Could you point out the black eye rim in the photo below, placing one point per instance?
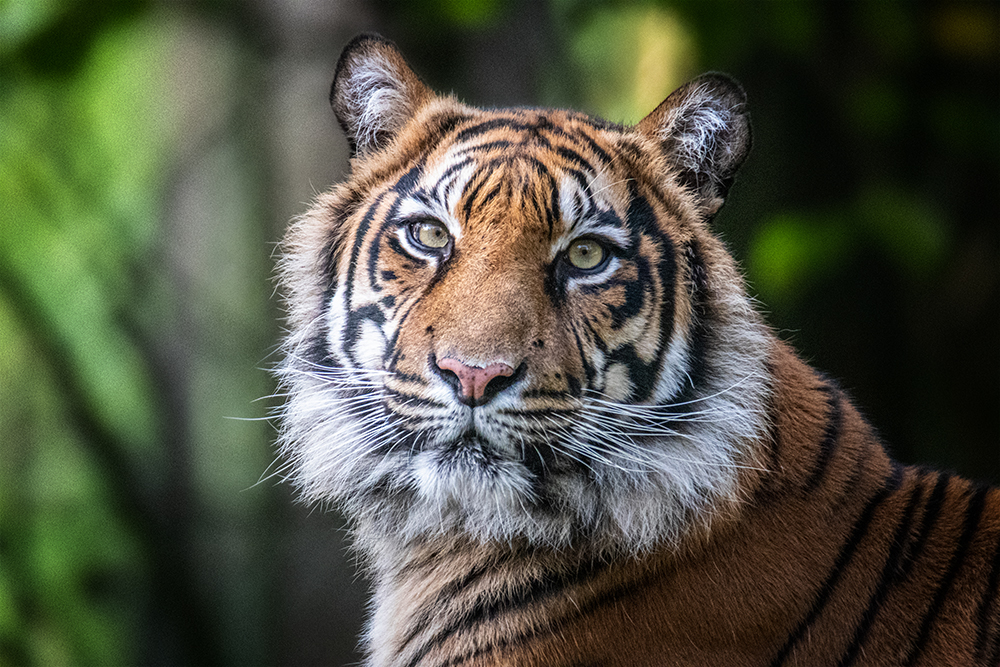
(608, 250)
(411, 235)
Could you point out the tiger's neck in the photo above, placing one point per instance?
(453, 597)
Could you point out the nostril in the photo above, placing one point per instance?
(451, 377)
(475, 385)
(498, 383)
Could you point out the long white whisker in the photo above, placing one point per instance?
(633, 407)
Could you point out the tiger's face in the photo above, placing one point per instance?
(505, 325)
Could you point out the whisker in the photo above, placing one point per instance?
(594, 395)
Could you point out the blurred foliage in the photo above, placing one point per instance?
(138, 171)
(624, 79)
(77, 210)
(86, 525)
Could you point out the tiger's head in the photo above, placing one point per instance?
(514, 324)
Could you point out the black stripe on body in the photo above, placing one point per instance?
(831, 435)
(989, 623)
(931, 514)
(844, 558)
(973, 512)
(847, 489)
(446, 594)
(891, 484)
(774, 444)
(890, 575)
(553, 626)
(492, 605)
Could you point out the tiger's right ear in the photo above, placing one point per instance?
(374, 93)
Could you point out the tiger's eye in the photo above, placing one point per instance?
(430, 234)
(585, 254)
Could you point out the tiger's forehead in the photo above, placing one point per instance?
(552, 176)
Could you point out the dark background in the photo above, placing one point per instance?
(151, 153)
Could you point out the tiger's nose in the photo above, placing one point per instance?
(477, 385)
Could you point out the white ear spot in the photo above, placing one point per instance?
(376, 101)
(374, 93)
(697, 132)
(704, 129)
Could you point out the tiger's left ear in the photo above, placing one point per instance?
(374, 93)
(704, 129)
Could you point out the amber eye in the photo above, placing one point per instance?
(429, 234)
(585, 254)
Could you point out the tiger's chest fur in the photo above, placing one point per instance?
(523, 365)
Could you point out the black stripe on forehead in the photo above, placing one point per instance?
(539, 129)
(490, 146)
(503, 166)
(529, 134)
(506, 123)
(440, 191)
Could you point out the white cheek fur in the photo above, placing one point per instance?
(370, 347)
(336, 322)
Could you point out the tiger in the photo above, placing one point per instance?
(521, 363)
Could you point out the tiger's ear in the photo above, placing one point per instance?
(704, 128)
(374, 93)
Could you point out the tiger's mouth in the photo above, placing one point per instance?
(470, 440)
(471, 445)
(478, 453)
(468, 449)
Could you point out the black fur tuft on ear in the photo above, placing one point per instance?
(704, 128)
(374, 93)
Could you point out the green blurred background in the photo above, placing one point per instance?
(151, 153)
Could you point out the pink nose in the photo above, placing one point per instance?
(472, 379)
